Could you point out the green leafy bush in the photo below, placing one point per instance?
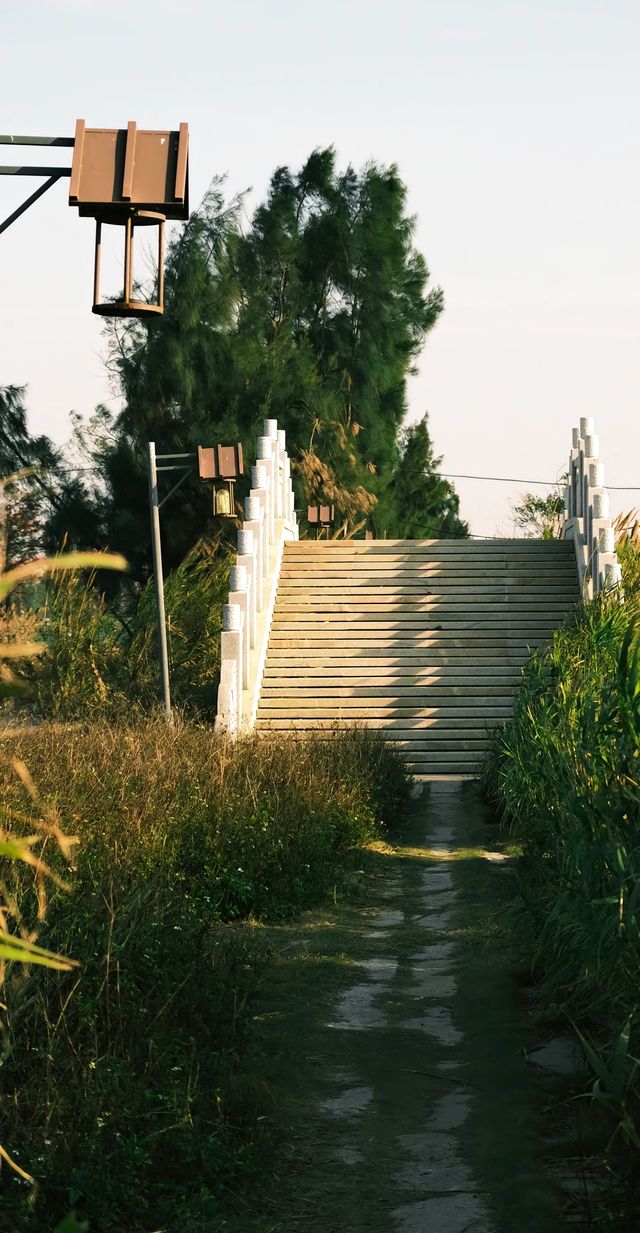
(84, 664)
(121, 1077)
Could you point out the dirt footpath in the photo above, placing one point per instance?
(400, 1083)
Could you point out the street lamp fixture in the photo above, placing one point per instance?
(129, 178)
(321, 517)
(223, 464)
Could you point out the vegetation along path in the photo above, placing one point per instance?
(396, 1045)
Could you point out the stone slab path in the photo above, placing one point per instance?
(399, 1041)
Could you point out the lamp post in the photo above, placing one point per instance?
(156, 547)
(224, 465)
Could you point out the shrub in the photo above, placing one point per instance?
(83, 667)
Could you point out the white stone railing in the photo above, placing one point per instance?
(269, 521)
(587, 519)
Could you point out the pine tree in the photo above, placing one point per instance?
(426, 505)
(313, 315)
(45, 501)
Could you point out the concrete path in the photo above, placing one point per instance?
(409, 1102)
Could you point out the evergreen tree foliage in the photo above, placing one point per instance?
(312, 313)
(426, 505)
(40, 500)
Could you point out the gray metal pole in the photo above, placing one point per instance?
(159, 580)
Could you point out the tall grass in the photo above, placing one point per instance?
(120, 1078)
(101, 659)
(566, 775)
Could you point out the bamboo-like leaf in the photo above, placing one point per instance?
(18, 849)
(18, 950)
(52, 565)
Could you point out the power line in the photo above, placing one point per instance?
(495, 479)
(499, 479)
(510, 479)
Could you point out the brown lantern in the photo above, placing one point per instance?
(321, 515)
(224, 465)
(130, 178)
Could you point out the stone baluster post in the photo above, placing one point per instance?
(612, 575)
(266, 463)
(586, 430)
(272, 432)
(254, 523)
(594, 482)
(259, 489)
(574, 474)
(239, 596)
(247, 558)
(590, 463)
(280, 454)
(231, 664)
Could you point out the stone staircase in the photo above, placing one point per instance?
(422, 640)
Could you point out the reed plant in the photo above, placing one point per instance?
(100, 658)
(565, 774)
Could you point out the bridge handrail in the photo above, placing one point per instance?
(269, 521)
(587, 519)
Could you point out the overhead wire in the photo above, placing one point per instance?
(496, 479)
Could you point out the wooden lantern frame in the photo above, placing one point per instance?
(130, 178)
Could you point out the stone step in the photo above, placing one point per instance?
(421, 641)
(338, 550)
(384, 717)
(355, 629)
(308, 677)
(408, 570)
(306, 694)
(390, 645)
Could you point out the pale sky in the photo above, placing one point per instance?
(513, 123)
